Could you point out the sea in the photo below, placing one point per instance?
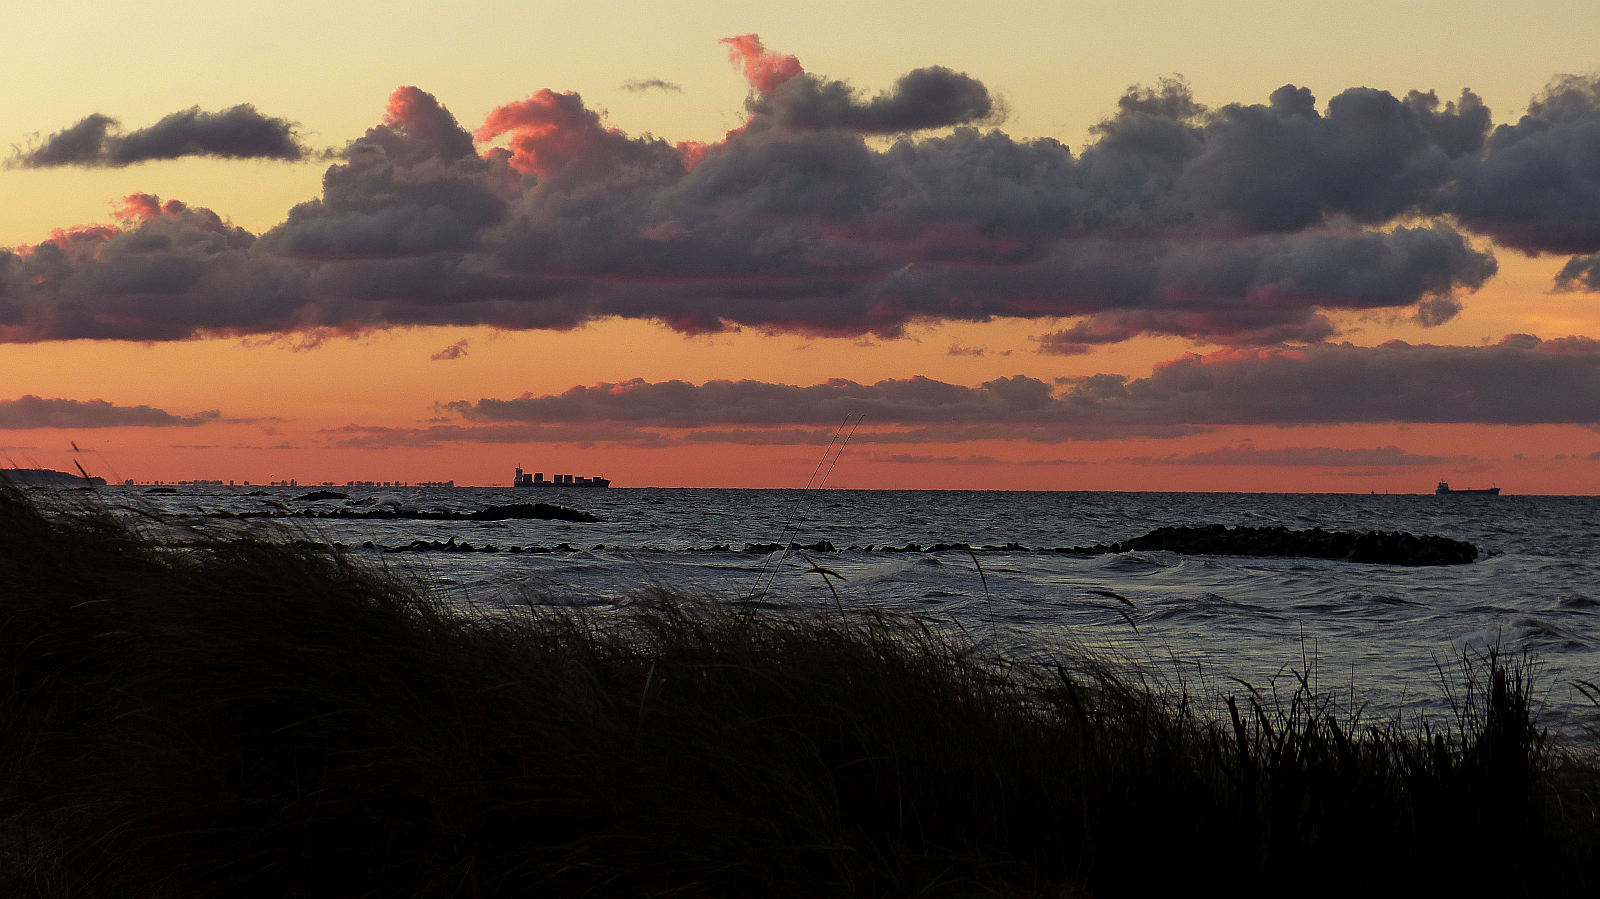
(1382, 640)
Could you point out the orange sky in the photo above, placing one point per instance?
(210, 382)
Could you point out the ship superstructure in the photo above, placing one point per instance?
(1445, 488)
(536, 479)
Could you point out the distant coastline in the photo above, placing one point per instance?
(46, 477)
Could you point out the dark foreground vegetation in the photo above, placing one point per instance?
(234, 716)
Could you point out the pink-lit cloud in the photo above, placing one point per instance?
(550, 131)
(765, 69)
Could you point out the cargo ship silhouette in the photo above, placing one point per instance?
(1444, 488)
(536, 479)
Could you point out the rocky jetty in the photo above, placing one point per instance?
(1373, 547)
(454, 546)
(821, 546)
(1367, 547)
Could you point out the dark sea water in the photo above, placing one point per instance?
(1385, 630)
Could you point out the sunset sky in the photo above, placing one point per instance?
(1136, 245)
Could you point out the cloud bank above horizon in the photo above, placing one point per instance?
(30, 412)
(1521, 380)
(826, 214)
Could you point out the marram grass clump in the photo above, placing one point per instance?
(229, 715)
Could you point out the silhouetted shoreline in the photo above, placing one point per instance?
(46, 477)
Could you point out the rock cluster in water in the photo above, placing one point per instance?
(1372, 547)
(1376, 547)
(454, 546)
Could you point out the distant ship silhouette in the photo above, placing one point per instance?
(536, 479)
(1444, 488)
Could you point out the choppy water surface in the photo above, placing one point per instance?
(1385, 629)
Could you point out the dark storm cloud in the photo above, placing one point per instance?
(1536, 186)
(239, 132)
(1305, 456)
(453, 351)
(1521, 380)
(80, 144)
(761, 436)
(176, 271)
(682, 404)
(382, 438)
(1247, 225)
(636, 85)
(1034, 432)
(31, 411)
(1580, 273)
(1370, 156)
(957, 349)
(1265, 290)
(411, 188)
(932, 97)
(917, 459)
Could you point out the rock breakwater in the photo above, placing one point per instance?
(1366, 547)
(1372, 547)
